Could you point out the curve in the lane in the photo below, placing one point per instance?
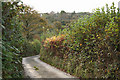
(44, 70)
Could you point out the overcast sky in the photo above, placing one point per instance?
(44, 6)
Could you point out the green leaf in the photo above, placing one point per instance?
(2, 26)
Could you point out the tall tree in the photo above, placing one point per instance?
(32, 22)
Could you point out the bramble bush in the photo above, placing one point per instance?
(93, 43)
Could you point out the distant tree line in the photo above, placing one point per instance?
(63, 18)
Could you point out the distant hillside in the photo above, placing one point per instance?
(63, 17)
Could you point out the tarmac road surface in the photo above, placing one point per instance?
(35, 68)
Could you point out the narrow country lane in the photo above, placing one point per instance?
(35, 68)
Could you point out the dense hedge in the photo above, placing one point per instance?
(92, 46)
(11, 41)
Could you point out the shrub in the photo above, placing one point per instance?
(95, 41)
(36, 46)
(11, 41)
(92, 43)
(54, 45)
(31, 48)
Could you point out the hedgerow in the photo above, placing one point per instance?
(92, 46)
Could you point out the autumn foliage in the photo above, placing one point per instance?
(55, 44)
(90, 47)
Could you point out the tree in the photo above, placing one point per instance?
(32, 22)
(62, 12)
